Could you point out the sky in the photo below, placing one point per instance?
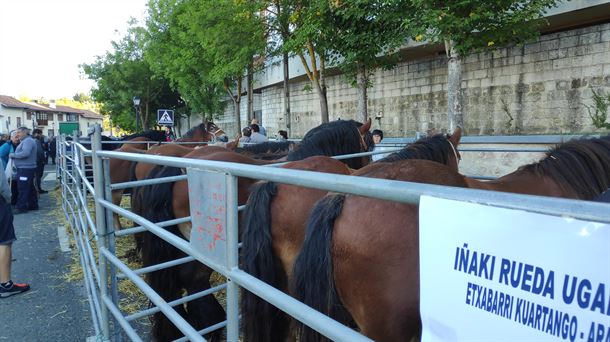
(42, 42)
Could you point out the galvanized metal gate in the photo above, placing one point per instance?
(95, 235)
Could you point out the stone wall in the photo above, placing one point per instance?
(539, 88)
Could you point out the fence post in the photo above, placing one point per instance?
(111, 242)
(232, 259)
(100, 222)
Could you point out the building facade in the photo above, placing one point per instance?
(48, 118)
(543, 87)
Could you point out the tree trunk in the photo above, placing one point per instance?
(144, 118)
(286, 93)
(454, 89)
(250, 95)
(321, 92)
(237, 102)
(317, 78)
(362, 81)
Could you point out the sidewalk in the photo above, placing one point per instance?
(53, 310)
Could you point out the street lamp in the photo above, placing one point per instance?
(136, 104)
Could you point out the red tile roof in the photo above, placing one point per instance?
(11, 102)
(91, 115)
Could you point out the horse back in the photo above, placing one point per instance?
(376, 252)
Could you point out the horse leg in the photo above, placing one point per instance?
(117, 196)
(205, 311)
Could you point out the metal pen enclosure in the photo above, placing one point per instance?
(104, 269)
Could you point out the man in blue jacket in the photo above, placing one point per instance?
(24, 159)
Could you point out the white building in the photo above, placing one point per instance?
(14, 114)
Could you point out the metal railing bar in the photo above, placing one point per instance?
(89, 281)
(206, 330)
(159, 266)
(131, 184)
(404, 192)
(87, 214)
(176, 302)
(325, 325)
(169, 312)
(304, 313)
(140, 229)
(129, 330)
(501, 150)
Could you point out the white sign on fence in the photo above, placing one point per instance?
(208, 203)
(491, 273)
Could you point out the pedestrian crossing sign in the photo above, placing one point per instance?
(165, 117)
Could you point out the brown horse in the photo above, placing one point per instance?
(166, 201)
(121, 170)
(375, 276)
(274, 228)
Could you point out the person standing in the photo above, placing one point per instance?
(169, 135)
(7, 237)
(246, 132)
(40, 160)
(5, 151)
(377, 137)
(262, 129)
(282, 135)
(8, 148)
(53, 149)
(256, 136)
(24, 159)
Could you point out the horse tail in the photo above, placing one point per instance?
(262, 321)
(156, 206)
(313, 280)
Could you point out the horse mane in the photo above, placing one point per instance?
(265, 147)
(581, 166)
(331, 139)
(435, 148)
(191, 132)
(152, 135)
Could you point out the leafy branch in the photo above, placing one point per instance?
(599, 110)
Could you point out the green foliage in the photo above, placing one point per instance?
(477, 25)
(199, 45)
(123, 73)
(600, 109)
(365, 33)
(173, 53)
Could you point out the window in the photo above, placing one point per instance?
(42, 119)
(19, 122)
(60, 117)
(71, 117)
(29, 116)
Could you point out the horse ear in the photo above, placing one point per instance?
(456, 136)
(365, 127)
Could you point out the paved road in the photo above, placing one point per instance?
(53, 310)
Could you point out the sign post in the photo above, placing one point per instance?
(165, 117)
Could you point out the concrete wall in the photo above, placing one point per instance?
(540, 88)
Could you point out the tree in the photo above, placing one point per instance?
(172, 52)
(279, 32)
(471, 26)
(363, 36)
(309, 42)
(206, 44)
(122, 74)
